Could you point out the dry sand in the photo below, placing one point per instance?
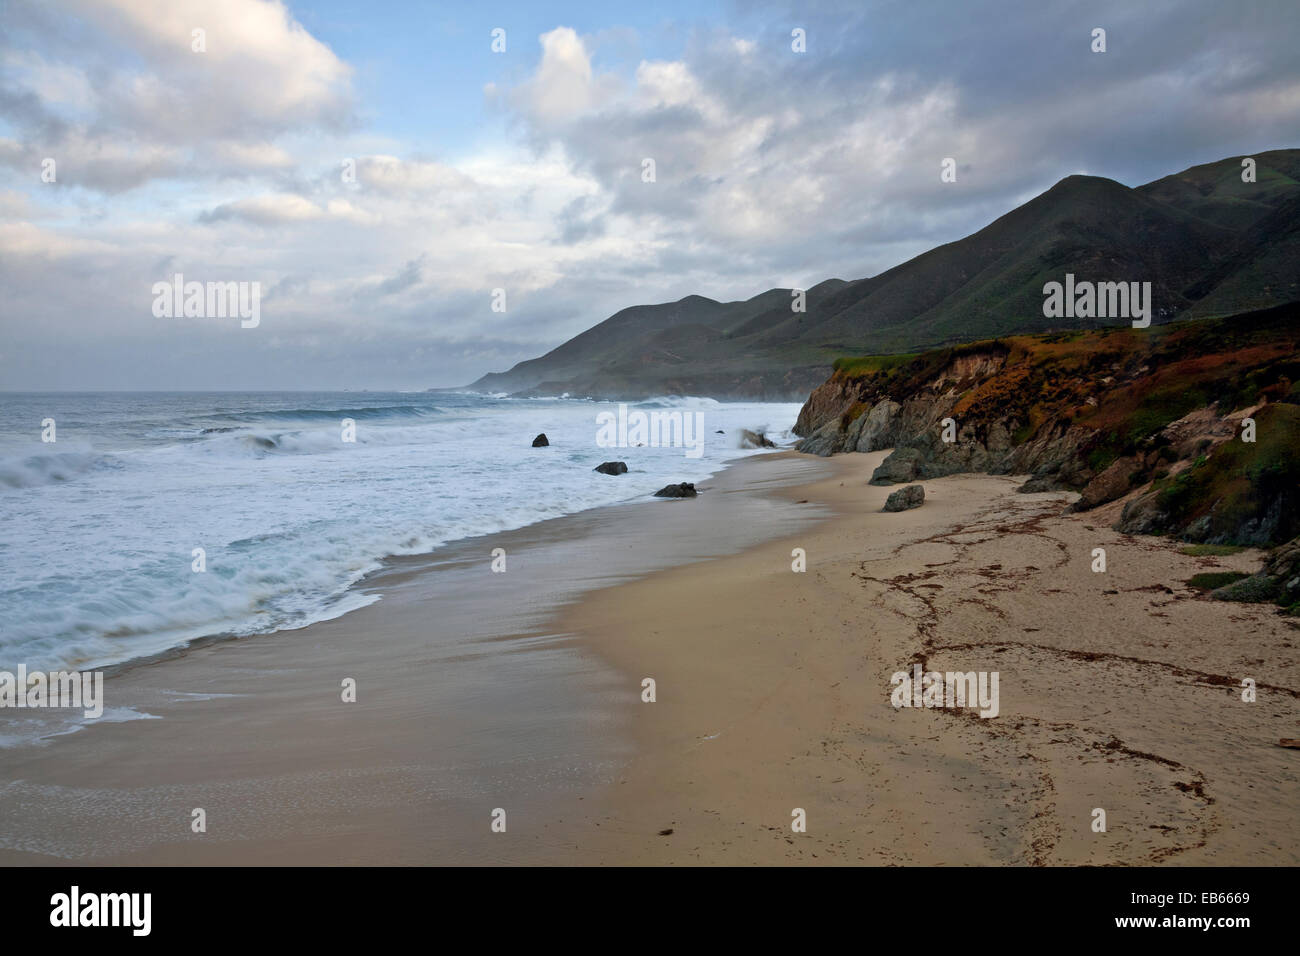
(1119, 690)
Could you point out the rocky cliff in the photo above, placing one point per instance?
(1197, 424)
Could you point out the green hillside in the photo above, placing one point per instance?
(1209, 244)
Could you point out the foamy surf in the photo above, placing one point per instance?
(98, 555)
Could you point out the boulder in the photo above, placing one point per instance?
(749, 439)
(900, 467)
(825, 442)
(540, 441)
(1142, 515)
(1040, 483)
(1121, 477)
(685, 490)
(1283, 566)
(910, 496)
(612, 468)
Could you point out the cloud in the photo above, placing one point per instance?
(391, 175)
(120, 97)
(409, 276)
(753, 167)
(563, 85)
(284, 209)
(14, 206)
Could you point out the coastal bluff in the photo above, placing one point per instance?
(1194, 425)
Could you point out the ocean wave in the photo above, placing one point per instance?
(262, 442)
(287, 582)
(51, 468)
(365, 413)
(677, 401)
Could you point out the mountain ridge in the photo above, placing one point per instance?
(1210, 244)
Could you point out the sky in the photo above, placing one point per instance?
(381, 171)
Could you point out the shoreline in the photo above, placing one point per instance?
(289, 518)
(463, 690)
(371, 581)
(522, 691)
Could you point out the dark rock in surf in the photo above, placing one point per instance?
(685, 490)
(540, 441)
(611, 468)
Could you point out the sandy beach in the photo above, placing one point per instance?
(1119, 690)
(523, 692)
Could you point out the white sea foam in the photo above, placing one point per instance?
(95, 551)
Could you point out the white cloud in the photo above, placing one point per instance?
(252, 157)
(563, 85)
(115, 122)
(259, 66)
(389, 174)
(285, 209)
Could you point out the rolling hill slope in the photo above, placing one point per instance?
(1210, 245)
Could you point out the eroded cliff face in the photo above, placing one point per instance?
(828, 400)
(1197, 426)
(862, 413)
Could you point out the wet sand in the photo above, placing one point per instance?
(523, 691)
(467, 700)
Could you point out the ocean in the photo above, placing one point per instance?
(98, 551)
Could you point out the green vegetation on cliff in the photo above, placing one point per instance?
(1239, 482)
(1108, 412)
